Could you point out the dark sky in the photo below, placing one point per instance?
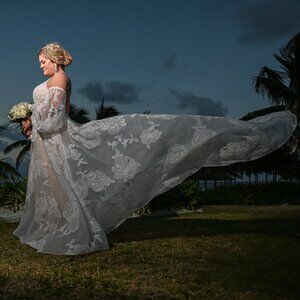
(167, 56)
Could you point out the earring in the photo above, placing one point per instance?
(56, 68)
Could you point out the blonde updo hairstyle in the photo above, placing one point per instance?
(57, 54)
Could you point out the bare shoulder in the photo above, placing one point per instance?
(59, 80)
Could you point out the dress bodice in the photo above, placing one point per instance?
(41, 98)
(39, 91)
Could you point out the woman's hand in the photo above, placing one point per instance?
(26, 127)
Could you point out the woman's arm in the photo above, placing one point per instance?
(55, 121)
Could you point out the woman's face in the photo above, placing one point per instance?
(46, 65)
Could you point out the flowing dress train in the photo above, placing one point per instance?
(85, 180)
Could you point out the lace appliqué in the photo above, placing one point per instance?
(81, 188)
(122, 141)
(176, 153)
(97, 180)
(112, 125)
(71, 215)
(232, 150)
(150, 135)
(56, 155)
(202, 133)
(47, 212)
(72, 153)
(124, 167)
(39, 168)
(86, 135)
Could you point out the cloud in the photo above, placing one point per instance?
(268, 20)
(114, 91)
(201, 105)
(93, 91)
(121, 92)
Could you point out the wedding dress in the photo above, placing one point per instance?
(85, 180)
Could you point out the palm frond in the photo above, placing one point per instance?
(1, 129)
(7, 169)
(292, 47)
(103, 111)
(283, 88)
(270, 83)
(15, 145)
(22, 155)
(286, 64)
(78, 114)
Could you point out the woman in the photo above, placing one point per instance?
(85, 180)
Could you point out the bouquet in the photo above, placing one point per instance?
(20, 113)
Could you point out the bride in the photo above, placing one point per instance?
(85, 180)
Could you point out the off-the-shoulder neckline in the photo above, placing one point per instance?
(56, 87)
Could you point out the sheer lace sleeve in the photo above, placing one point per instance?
(53, 119)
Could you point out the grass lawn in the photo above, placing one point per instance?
(226, 252)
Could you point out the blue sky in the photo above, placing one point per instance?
(168, 56)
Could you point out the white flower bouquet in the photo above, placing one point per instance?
(20, 112)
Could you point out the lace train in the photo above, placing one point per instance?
(85, 180)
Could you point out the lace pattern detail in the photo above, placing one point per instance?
(150, 135)
(124, 167)
(202, 133)
(176, 153)
(71, 215)
(98, 181)
(47, 213)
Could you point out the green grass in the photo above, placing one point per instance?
(226, 252)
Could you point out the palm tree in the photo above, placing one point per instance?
(222, 174)
(283, 87)
(23, 154)
(103, 112)
(78, 114)
(6, 169)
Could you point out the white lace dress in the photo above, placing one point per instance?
(85, 180)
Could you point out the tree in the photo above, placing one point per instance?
(103, 112)
(283, 87)
(78, 114)
(6, 169)
(23, 154)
